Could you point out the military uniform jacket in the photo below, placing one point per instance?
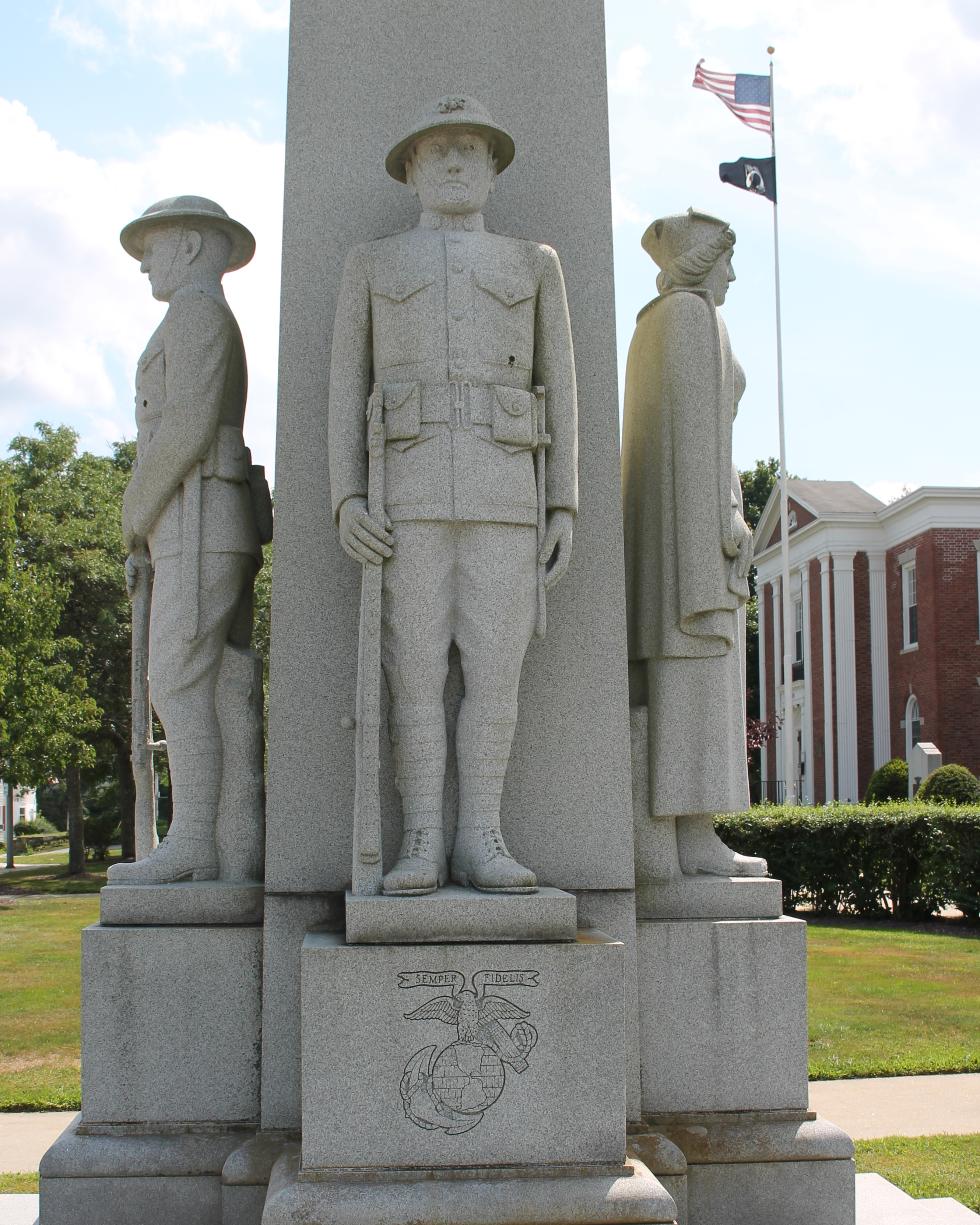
(189, 492)
(455, 326)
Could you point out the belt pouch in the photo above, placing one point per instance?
(514, 417)
(403, 411)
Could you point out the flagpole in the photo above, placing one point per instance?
(789, 619)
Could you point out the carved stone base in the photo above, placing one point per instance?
(710, 897)
(185, 904)
(456, 915)
(462, 1056)
(764, 1168)
(722, 1014)
(132, 1179)
(470, 1197)
(171, 1026)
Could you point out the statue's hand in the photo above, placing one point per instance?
(743, 537)
(361, 536)
(138, 561)
(557, 546)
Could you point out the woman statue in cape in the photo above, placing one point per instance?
(688, 553)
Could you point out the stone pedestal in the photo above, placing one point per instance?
(464, 1084)
(463, 1056)
(723, 1053)
(171, 1025)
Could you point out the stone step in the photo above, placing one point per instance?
(880, 1202)
(18, 1209)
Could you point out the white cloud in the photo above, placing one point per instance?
(79, 33)
(173, 31)
(75, 312)
(630, 74)
(875, 107)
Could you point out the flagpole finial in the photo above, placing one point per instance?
(771, 50)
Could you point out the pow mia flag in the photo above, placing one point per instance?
(757, 174)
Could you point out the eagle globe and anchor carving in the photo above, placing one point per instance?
(450, 1091)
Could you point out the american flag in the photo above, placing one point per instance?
(746, 96)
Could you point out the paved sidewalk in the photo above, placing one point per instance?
(865, 1109)
(25, 1138)
(900, 1105)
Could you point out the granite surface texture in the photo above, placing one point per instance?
(465, 1055)
(204, 1065)
(633, 1197)
(566, 804)
(133, 1179)
(722, 1014)
(458, 916)
(186, 903)
(287, 920)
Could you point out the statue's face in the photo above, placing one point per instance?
(451, 171)
(166, 258)
(719, 278)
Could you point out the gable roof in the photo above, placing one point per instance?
(820, 498)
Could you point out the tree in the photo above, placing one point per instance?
(47, 714)
(68, 514)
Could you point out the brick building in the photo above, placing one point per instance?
(887, 645)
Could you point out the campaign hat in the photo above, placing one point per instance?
(189, 211)
(452, 111)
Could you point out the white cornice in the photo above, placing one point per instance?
(929, 508)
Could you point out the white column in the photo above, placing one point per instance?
(828, 682)
(760, 592)
(808, 792)
(845, 675)
(880, 698)
(779, 696)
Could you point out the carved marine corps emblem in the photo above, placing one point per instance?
(451, 1090)
(445, 105)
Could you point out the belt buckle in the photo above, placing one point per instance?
(462, 417)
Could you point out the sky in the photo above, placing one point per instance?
(109, 105)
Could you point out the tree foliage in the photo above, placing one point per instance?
(46, 712)
(64, 533)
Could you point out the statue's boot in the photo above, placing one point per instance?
(189, 851)
(480, 855)
(420, 766)
(701, 850)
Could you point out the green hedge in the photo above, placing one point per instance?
(903, 859)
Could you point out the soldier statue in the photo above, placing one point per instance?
(195, 509)
(461, 334)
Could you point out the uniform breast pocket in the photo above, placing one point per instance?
(401, 317)
(151, 386)
(505, 318)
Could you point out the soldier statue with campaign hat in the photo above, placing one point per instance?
(196, 511)
(458, 342)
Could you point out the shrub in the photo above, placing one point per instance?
(39, 825)
(889, 782)
(950, 784)
(907, 860)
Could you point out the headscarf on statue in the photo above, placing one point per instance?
(684, 587)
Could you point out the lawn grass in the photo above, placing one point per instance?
(37, 874)
(885, 999)
(892, 999)
(925, 1167)
(40, 980)
(19, 1184)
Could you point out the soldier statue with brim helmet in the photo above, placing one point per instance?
(461, 339)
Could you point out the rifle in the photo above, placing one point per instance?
(542, 442)
(366, 870)
(139, 581)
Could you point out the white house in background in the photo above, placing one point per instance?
(886, 603)
(25, 804)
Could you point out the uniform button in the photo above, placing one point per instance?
(457, 267)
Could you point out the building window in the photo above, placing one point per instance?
(976, 545)
(913, 725)
(798, 640)
(910, 606)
